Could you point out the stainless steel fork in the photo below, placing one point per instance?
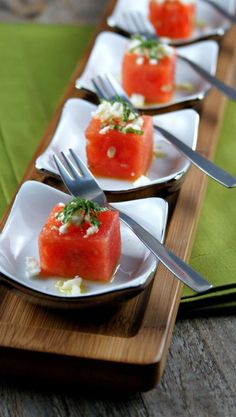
(136, 22)
(108, 88)
(80, 182)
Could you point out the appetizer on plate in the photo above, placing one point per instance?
(189, 85)
(82, 239)
(174, 19)
(167, 166)
(148, 70)
(208, 22)
(19, 242)
(119, 141)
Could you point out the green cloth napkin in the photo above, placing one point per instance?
(36, 64)
(214, 251)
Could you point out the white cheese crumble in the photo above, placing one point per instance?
(113, 115)
(63, 229)
(134, 126)
(137, 100)
(91, 231)
(104, 130)
(154, 54)
(153, 61)
(32, 268)
(140, 60)
(107, 111)
(70, 286)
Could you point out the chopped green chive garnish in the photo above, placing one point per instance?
(152, 48)
(128, 119)
(80, 210)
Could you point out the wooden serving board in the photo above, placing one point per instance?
(122, 346)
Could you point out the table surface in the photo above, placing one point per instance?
(199, 377)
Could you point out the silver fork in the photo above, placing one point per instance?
(137, 23)
(80, 182)
(108, 88)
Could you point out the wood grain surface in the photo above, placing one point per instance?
(199, 376)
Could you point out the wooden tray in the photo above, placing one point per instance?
(124, 346)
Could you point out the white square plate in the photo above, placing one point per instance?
(107, 55)
(19, 239)
(209, 21)
(169, 164)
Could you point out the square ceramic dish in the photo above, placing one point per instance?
(209, 22)
(107, 55)
(19, 239)
(167, 164)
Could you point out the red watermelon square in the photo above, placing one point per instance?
(116, 147)
(148, 70)
(173, 19)
(78, 247)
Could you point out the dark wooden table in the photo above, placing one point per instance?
(199, 378)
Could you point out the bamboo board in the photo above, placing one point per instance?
(125, 346)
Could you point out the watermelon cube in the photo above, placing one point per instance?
(148, 70)
(71, 245)
(118, 148)
(173, 19)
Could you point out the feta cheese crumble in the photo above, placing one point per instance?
(137, 100)
(118, 115)
(91, 231)
(63, 229)
(150, 49)
(32, 268)
(70, 286)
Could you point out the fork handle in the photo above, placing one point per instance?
(228, 91)
(174, 264)
(212, 170)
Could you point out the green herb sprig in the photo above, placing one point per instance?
(152, 48)
(86, 210)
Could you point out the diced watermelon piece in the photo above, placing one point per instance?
(156, 82)
(92, 257)
(173, 19)
(119, 155)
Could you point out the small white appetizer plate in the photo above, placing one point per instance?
(107, 55)
(19, 239)
(167, 164)
(209, 22)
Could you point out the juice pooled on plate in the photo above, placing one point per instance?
(119, 141)
(174, 19)
(80, 239)
(148, 71)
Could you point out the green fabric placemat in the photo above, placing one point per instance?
(214, 251)
(36, 64)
